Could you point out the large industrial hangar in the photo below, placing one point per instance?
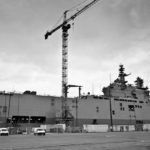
(29, 108)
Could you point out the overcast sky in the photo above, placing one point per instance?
(110, 33)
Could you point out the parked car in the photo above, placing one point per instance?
(39, 131)
(4, 131)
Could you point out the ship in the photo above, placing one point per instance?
(121, 104)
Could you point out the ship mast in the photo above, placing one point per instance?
(122, 76)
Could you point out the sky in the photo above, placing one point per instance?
(110, 33)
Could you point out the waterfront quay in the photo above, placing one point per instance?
(78, 141)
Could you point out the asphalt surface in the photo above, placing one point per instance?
(78, 141)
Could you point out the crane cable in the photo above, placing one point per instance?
(76, 6)
(57, 22)
(69, 10)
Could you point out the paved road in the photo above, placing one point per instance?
(84, 141)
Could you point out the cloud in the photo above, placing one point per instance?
(110, 33)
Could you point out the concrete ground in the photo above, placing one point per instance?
(78, 141)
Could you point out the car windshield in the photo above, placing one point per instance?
(4, 129)
(40, 129)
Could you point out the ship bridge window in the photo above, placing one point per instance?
(52, 102)
(137, 106)
(113, 112)
(132, 101)
(116, 99)
(122, 108)
(131, 107)
(97, 109)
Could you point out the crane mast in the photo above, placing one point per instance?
(65, 27)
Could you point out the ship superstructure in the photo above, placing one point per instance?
(130, 104)
(121, 104)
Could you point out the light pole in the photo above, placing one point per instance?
(110, 106)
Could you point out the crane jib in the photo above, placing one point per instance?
(48, 33)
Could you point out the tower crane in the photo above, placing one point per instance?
(65, 26)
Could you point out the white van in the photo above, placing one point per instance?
(39, 131)
(4, 131)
